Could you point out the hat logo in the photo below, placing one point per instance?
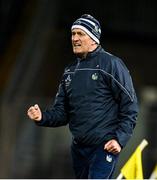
(78, 22)
(96, 28)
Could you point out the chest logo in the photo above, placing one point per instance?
(68, 80)
(94, 76)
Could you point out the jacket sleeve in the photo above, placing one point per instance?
(124, 94)
(57, 114)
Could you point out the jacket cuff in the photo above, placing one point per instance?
(41, 122)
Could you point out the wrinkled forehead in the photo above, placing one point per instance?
(76, 30)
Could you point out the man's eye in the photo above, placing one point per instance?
(81, 34)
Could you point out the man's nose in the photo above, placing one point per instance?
(75, 37)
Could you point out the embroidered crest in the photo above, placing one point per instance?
(94, 76)
(109, 158)
(68, 80)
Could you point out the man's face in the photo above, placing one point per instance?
(81, 42)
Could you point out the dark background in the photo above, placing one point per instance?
(35, 47)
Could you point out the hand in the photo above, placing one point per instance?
(34, 113)
(112, 146)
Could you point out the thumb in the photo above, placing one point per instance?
(107, 144)
(36, 106)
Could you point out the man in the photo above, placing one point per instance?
(97, 99)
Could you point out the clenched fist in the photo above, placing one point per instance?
(34, 113)
(112, 146)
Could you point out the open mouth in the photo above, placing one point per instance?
(76, 45)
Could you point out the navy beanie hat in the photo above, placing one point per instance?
(90, 25)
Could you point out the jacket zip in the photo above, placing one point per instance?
(77, 65)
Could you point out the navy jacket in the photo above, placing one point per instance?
(97, 99)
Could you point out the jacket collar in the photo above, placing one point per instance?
(93, 53)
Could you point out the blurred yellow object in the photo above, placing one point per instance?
(133, 168)
(154, 173)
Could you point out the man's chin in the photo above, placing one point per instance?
(79, 54)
